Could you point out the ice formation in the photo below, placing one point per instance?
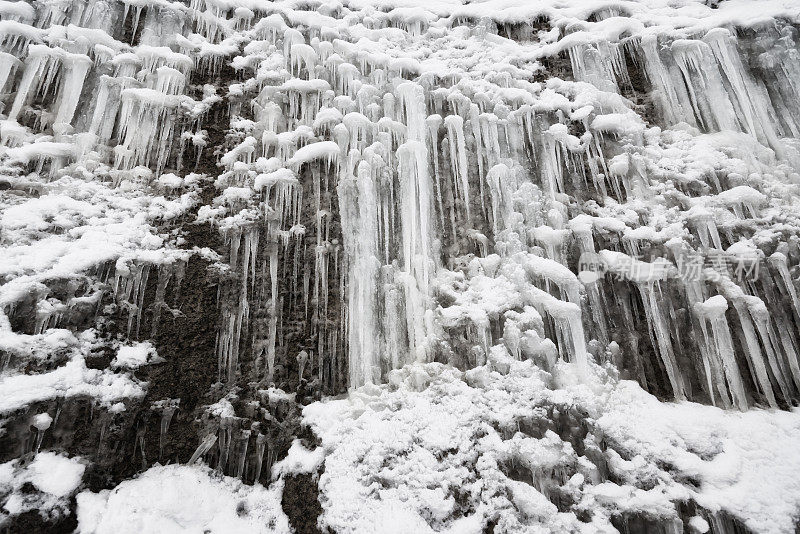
(524, 239)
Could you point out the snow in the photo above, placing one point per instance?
(388, 447)
(182, 499)
(21, 10)
(134, 356)
(699, 524)
(269, 179)
(299, 460)
(55, 474)
(42, 421)
(630, 268)
(714, 306)
(70, 380)
(222, 409)
(324, 150)
(750, 472)
(39, 150)
(97, 224)
(54, 478)
(742, 194)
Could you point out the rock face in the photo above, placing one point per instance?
(410, 266)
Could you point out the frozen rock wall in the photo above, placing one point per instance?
(216, 211)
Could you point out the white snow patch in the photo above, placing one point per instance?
(134, 356)
(182, 499)
(396, 458)
(299, 460)
(55, 477)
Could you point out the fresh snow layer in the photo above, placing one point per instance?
(177, 499)
(70, 380)
(299, 460)
(134, 356)
(747, 463)
(54, 478)
(55, 474)
(403, 460)
(76, 227)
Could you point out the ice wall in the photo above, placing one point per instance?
(361, 187)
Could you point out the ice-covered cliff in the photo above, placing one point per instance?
(399, 266)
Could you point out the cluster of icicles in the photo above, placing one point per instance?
(414, 183)
(429, 171)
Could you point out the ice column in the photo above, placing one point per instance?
(360, 233)
(416, 216)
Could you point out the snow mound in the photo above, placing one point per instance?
(182, 499)
(512, 446)
(53, 477)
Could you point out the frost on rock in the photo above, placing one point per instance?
(492, 213)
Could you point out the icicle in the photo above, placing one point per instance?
(225, 441)
(416, 238)
(434, 122)
(567, 317)
(396, 346)
(130, 292)
(552, 172)
(166, 418)
(591, 66)
(658, 325)
(41, 422)
(164, 275)
(713, 310)
(458, 159)
(358, 208)
(750, 100)
(36, 64)
(321, 296)
(244, 441)
(8, 63)
(754, 352)
(749, 309)
(490, 138)
(597, 306)
(779, 262)
(261, 444)
(511, 338)
(704, 83)
(203, 448)
(500, 180)
(101, 103)
(76, 67)
(416, 215)
(695, 294)
(274, 311)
